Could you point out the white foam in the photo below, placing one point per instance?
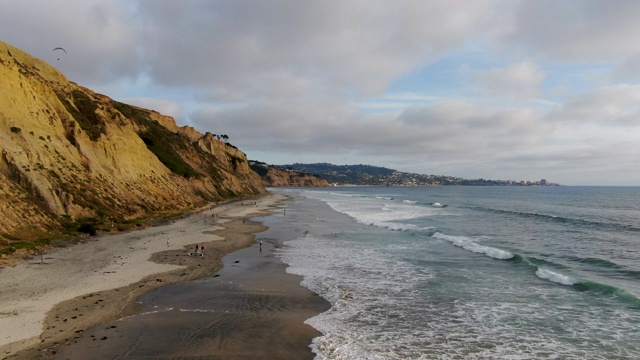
(150, 312)
(398, 226)
(468, 244)
(379, 211)
(198, 310)
(555, 277)
(383, 197)
(360, 282)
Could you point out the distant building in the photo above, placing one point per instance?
(543, 182)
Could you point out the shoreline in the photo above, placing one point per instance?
(45, 305)
(250, 309)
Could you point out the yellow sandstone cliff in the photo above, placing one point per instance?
(69, 155)
(276, 177)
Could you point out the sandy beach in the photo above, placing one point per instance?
(44, 305)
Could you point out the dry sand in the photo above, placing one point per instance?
(43, 304)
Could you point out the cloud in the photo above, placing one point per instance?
(457, 128)
(617, 105)
(352, 45)
(444, 130)
(97, 35)
(584, 164)
(628, 70)
(521, 79)
(394, 102)
(581, 30)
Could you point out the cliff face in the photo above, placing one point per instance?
(68, 155)
(274, 177)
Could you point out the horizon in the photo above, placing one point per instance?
(553, 183)
(495, 89)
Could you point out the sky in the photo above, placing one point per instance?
(503, 90)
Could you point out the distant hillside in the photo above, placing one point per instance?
(74, 160)
(278, 177)
(375, 175)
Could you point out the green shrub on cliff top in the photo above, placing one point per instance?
(163, 143)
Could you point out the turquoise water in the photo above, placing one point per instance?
(470, 272)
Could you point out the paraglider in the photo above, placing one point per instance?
(58, 49)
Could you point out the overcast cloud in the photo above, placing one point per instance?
(519, 90)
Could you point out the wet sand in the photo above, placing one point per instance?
(87, 326)
(250, 309)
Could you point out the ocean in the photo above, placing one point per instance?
(469, 272)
